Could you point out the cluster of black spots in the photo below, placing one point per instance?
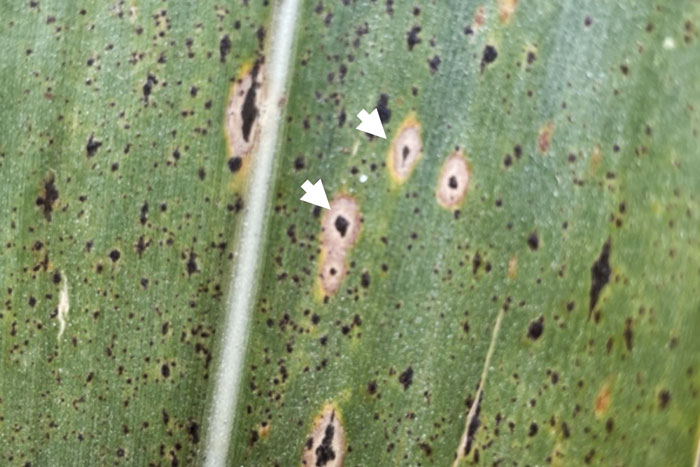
(664, 398)
(92, 145)
(412, 37)
(324, 451)
(406, 378)
(383, 108)
(600, 275)
(47, 199)
(235, 164)
(536, 328)
(533, 240)
(488, 56)
(165, 370)
(299, 163)
(147, 88)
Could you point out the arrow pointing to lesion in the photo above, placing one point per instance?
(371, 123)
(315, 194)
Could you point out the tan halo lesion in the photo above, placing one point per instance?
(242, 122)
(339, 230)
(453, 181)
(406, 150)
(326, 445)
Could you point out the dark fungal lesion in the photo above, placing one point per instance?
(406, 378)
(325, 447)
(474, 424)
(249, 111)
(48, 197)
(600, 276)
(243, 114)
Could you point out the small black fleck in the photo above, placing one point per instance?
(92, 145)
(536, 328)
(114, 255)
(365, 279)
(533, 241)
(406, 378)
(533, 429)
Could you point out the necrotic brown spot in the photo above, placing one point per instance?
(325, 447)
(242, 113)
(453, 181)
(405, 150)
(339, 229)
(506, 8)
(544, 137)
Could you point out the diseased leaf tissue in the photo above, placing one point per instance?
(507, 279)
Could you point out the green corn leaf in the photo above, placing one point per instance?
(508, 279)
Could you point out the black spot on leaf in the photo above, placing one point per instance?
(412, 37)
(341, 225)
(92, 146)
(224, 47)
(383, 108)
(249, 111)
(234, 164)
(324, 451)
(47, 199)
(600, 275)
(536, 328)
(406, 378)
(488, 56)
(533, 241)
(473, 426)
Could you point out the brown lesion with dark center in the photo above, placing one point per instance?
(339, 230)
(453, 181)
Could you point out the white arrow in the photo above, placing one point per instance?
(371, 123)
(315, 194)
